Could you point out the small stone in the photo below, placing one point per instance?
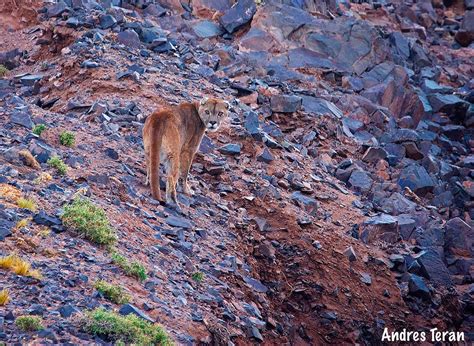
(230, 149)
(350, 254)
(366, 279)
(418, 288)
(128, 309)
(266, 156)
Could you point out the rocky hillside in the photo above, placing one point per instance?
(336, 201)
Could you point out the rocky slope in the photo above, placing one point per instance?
(335, 201)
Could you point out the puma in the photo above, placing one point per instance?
(172, 137)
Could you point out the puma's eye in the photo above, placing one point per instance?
(220, 114)
(207, 112)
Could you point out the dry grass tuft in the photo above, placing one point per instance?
(4, 297)
(26, 203)
(19, 266)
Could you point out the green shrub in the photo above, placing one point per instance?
(67, 138)
(29, 323)
(198, 276)
(118, 329)
(89, 220)
(58, 164)
(3, 70)
(38, 129)
(114, 293)
(134, 269)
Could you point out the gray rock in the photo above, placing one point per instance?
(207, 29)
(57, 9)
(255, 284)
(107, 21)
(129, 38)
(382, 227)
(230, 149)
(90, 64)
(350, 254)
(239, 14)
(396, 204)
(285, 103)
(459, 237)
(21, 117)
(434, 268)
(266, 156)
(128, 309)
(418, 288)
(154, 10)
(305, 202)
(417, 179)
(252, 125)
(30, 79)
(320, 106)
(68, 310)
(366, 279)
(452, 105)
(431, 87)
(41, 151)
(360, 181)
(177, 221)
(373, 155)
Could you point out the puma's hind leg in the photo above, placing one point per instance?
(186, 161)
(172, 172)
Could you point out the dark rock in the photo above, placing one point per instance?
(90, 64)
(366, 279)
(454, 132)
(452, 105)
(350, 254)
(360, 181)
(434, 268)
(383, 227)
(21, 117)
(431, 87)
(57, 9)
(418, 288)
(113, 154)
(252, 125)
(107, 21)
(154, 10)
(459, 237)
(30, 79)
(465, 35)
(266, 156)
(177, 221)
(128, 309)
(320, 106)
(412, 151)
(230, 149)
(239, 14)
(41, 151)
(305, 202)
(129, 38)
(396, 204)
(417, 179)
(41, 218)
(207, 29)
(285, 103)
(255, 284)
(373, 155)
(68, 310)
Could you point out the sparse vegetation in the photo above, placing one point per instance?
(134, 269)
(38, 129)
(58, 164)
(19, 266)
(114, 293)
(42, 178)
(29, 323)
(22, 223)
(67, 138)
(4, 297)
(26, 203)
(3, 70)
(128, 329)
(198, 276)
(89, 220)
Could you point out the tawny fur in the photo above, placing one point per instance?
(172, 137)
(29, 159)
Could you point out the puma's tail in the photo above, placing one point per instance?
(155, 149)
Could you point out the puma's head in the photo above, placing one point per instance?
(212, 112)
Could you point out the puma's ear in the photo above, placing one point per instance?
(203, 101)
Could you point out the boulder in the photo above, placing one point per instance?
(417, 179)
(239, 14)
(383, 227)
(285, 103)
(360, 181)
(459, 237)
(418, 288)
